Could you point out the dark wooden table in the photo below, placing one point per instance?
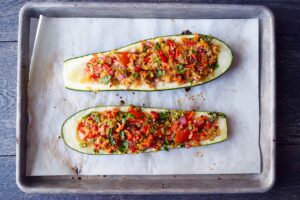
(287, 17)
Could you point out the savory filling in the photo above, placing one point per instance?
(186, 60)
(136, 131)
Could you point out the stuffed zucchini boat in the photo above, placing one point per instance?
(161, 63)
(133, 130)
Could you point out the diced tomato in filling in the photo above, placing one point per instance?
(135, 130)
(162, 56)
(137, 68)
(189, 43)
(189, 115)
(171, 44)
(166, 60)
(146, 60)
(123, 58)
(154, 115)
(181, 136)
(135, 112)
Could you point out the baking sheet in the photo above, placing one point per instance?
(235, 93)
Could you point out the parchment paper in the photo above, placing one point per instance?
(49, 104)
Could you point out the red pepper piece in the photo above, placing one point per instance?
(189, 43)
(145, 129)
(171, 43)
(177, 53)
(181, 136)
(189, 115)
(154, 115)
(146, 59)
(138, 68)
(95, 77)
(162, 56)
(129, 136)
(135, 113)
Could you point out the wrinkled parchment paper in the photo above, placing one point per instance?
(49, 104)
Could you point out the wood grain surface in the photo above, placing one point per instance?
(287, 17)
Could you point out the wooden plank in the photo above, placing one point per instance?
(286, 187)
(288, 93)
(8, 21)
(9, 10)
(8, 76)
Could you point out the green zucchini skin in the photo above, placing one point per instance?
(66, 135)
(218, 74)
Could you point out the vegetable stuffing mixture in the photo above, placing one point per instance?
(137, 131)
(181, 61)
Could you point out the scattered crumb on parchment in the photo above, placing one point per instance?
(199, 154)
(196, 97)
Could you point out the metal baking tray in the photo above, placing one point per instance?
(156, 184)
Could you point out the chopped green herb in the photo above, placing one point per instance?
(149, 119)
(90, 140)
(105, 79)
(145, 49)
(135, 75)
(183, 145)
(166, 145)
(153, 129)
(216, 66)
(162, 116)
(180, 69)
(151, 74)
(157, 46)
(122, 135)
(127, 73)
(96, 151)
(83, 145)
(167, 124)
(190, 127)
(213, 116)
(129, 115)
(158, 61)
(176, 114)
(99, 62)
(166, 148)
(110, 123)
(222, 115)
(110, 137)
(86, 116)
(207, 38)
(123, 147)
(96, 117)
(159, 73)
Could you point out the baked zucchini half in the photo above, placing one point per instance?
(162, 63)
(131, 130)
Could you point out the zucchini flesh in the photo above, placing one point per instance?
(74, 68)
(70, 133)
